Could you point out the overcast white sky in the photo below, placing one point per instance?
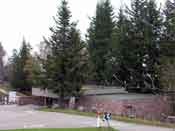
(32, 19)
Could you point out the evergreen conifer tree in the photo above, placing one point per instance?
(21, 78)
(63, 65)
(99, 41)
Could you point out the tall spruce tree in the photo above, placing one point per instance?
(63, 66)
(22, 69)
(131, 43)
(146, 33)
(152, 38)
(137, 16)
(14, 69)
(99, 41)
(124, 51)
(76, 67)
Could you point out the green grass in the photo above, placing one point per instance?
(114, 117)
(68, 111)
(66, 129)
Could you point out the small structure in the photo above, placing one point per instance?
(12, 97)
(50, 98)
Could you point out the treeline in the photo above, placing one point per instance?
(133, 49)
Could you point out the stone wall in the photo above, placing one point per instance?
(30, 100)
(37, 100)
(149, 108)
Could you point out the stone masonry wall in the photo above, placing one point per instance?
(150, 108)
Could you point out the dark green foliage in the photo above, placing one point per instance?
(37, 70)
(13, 69)
(76, 61)
(21, 69)
(63, 67)
(99, 41)
(138, 43)
(129, 50)
(170, 20)
(132, 50)
(124, 53)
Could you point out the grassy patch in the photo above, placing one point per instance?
(68, 111)
(114, 117)
(66, 129)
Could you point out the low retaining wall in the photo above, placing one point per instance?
(149, 108)
(36, 100)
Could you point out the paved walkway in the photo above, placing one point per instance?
(13, 117)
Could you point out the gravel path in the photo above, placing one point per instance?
(15, 117)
